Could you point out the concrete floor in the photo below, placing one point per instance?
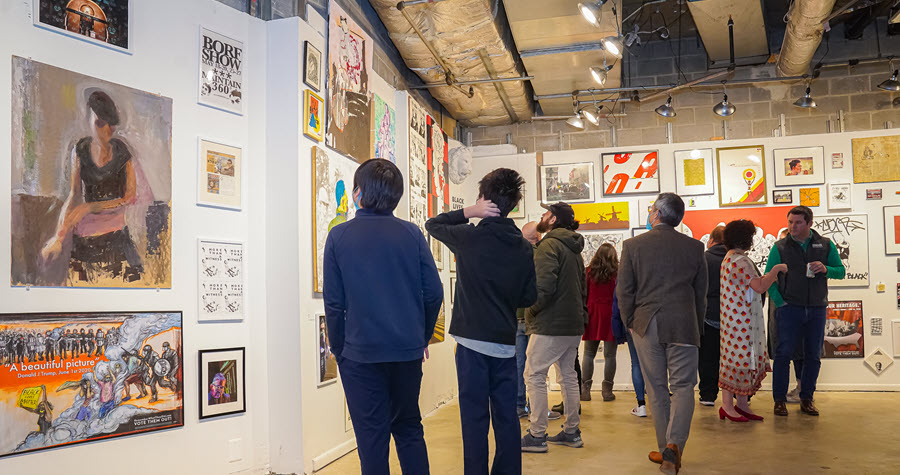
(856, 433)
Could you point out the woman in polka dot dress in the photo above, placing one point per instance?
(743, 362)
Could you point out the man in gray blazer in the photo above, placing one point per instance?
(661, 291)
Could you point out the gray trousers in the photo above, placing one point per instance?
(609, 360)
(545, 351)
(668, 367)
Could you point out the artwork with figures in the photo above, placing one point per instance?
(418, 165)
(438, 169)
(628, 173)
(327, 369)
(593, 241)
(596, 216)
(105, 22)
(742, 175)
(839, 196)
(221, 281)
(569, 182)
(844, 335)
(799, 166)
(91, 181)
(694, 172)
(769, 222)
(892, 231)
(350, 57)
(332, 204)
(384, 130)
(219, 177)
(222, 386)
(879, 360)
(850, 235)
(221, 72)
(312, 66)
(439, 328)
(313, 109)
(876, 159)
(91, 376)
(782, 197)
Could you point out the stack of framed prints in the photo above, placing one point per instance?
(742, 175)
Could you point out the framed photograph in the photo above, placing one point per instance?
(219, 175)
(892, 231)
(879, 360)
(799, 166)
(312, 66)
(313, 110)
(221, 84)
(782, 197)
(222, 387)
(742, 175)
(630, 173)
(569, 182)
(102, 22)
(326, 363)
(694, 172)
(220, 282)
(452, 291)
(809, 197)
(839, 196)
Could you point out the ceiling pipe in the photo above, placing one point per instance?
(802, 36)
(473, 81)
(410, 3)
(501, 92)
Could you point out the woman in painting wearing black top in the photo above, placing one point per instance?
(102, 185)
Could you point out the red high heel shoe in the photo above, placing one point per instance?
(749, 416)
(723, 415)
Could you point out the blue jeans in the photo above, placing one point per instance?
(521, 346)
(637, 379)
(797, 323)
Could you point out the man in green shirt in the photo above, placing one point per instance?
(801, 298)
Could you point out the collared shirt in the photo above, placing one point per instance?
(834, 267)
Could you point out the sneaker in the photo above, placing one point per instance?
(553, 415)
(560, 408)
(523, 412)
(534, 444)
(569, 440)
(639, 411)
(704, 402)
(794, 395)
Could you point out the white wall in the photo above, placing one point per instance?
(165, 61)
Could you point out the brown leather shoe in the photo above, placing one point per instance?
(780, 408)
(671, 463)
(807, 407)
(655, 457)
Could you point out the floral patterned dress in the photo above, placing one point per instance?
(743, 360)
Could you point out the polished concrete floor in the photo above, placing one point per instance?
(857, 433)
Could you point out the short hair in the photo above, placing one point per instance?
(739, 234)
(793, 163)
(670, 207)
(803, 211)
(380, 185)
(104, 107)
(718, 234)
(565, 216)
(503, 187)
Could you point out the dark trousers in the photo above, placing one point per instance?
(709, 363)
(487, 396)
(796, 323)
(521, 346)
(383, 399)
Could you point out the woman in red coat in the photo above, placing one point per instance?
(600, 277)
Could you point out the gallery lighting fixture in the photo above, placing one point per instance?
(614, 45)
(666, 110)
(592, 116)
(724, 108)
(805, 102)
(576, 121)
(600, 73)
(591, 10)
(891, 84)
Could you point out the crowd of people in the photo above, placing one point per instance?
(526, 300)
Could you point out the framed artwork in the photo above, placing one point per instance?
(439, 328)
(348, 422)
(769, 221)
(895, 335)
(223, 388)
(644, 207)
(437, 251)
(519, 210)
(876, 159)
(593, 241)
(384, 130)
(876, 324)
(742, 175)
(879, 360)
(219, 176)
(892, 231)
(332, 183)
(83, 389)
(599, 216)
(638, 231)
(438, 169)
(630, 173)
(873, 194)
(782, 197)
(418, 165)
(452, 292)
(101, 22)
(313, 108)
(694, 172)
(809, 197)
(312, 66)
(837, 160)
(326, 363)
(839, 196)
(799, 166)
(53, 125)
(844, 336)
(569, 182)
(452, 262)
(220, 285)
(221, 72)
(850, 235)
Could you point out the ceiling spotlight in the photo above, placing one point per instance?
(576, 122)
(599, 73)
(666, 110)
(806, 102)
(614, 45)
(891, 84)
(591, 10)
(592, 116)
(724, 108)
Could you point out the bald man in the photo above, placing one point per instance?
(531, 234)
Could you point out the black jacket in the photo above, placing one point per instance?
(714, 257)
(495, 275)
(795, 287)
(561, 307)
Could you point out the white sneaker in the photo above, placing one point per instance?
(639, 411)
(794, 395)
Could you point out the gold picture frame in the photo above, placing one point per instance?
(738, 168)
(313, 109)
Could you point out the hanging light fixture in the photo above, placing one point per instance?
(891, 84)
(805, 102)
(724, 108)
(591, 10)
(592, 116)
(614, 45)
(599, 73)
(666, 110)
(576, 121)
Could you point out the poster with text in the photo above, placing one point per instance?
(418, 165)
(221, 72)
(332, 205)
(219, 177)
(630, 173)
(221, 280)
(844, 330)
(103, 22)
(850, 235)
(438, 169)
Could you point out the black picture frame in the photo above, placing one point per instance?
(314, 81)
(778, 197)
(239, 406)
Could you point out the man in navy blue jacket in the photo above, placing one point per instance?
(496, 275)
(382, 297)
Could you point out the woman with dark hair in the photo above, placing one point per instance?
(600, 281)
(102, 185)
(743, 360)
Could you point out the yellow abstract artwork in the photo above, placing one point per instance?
(694, 172)
(594, 216)
(809, 196)
(876, 159)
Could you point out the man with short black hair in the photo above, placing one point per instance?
(382, 298)
(709, 340)
(495, 276)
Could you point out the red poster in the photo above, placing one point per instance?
(844, 330)
(897, 229)
(769, 221)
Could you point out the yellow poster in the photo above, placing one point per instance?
(876, 159)
(594, 216)
(30, 398)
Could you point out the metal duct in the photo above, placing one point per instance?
(802, 36)
(460, 41)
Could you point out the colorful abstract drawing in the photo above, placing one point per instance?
(809, 197)
(850, 235)
(742, 176)
(876, 159)
(438, 169)
(104, 22)
(384, 130)
(769, 222)
(91, 181)
(222, 385)
(597, 216)
(629, 173)
(313, 108)
(418, 165)
(332, 183)
(844, 330)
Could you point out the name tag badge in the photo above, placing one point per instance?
(817, 245)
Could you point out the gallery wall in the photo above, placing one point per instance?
(165, 61)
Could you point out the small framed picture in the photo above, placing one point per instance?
(879, 360)
(638, 231)
(103, 23)
(519, 210)
(809, 197)
(452, 291)
(892, 232)
(312, 67)
(437, 251)
(313, 112)
(782, 197)
(222, 385)
(839, 196)
(327, 369)
(219, 175)
(873, 194)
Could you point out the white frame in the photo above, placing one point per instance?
(638, 231)
(889, 230)
(317, 87)
(593, 194)
(818, 158)
(832, 205)
(200, 281)
(201, 171)
(895, 335)
(625, 194)
(36, 21)
(322, 384)
(244, 87)
(879, 356)
(708, 170)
